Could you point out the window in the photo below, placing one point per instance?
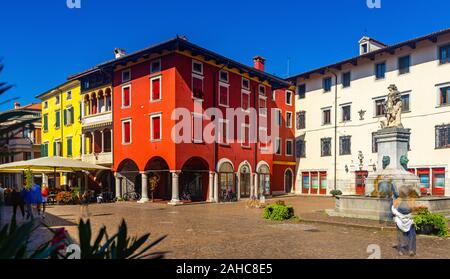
(223, 131)
(346, 113)
(301, 120)
(326, 116)
(405, 103)
(245, 84)
(155, 66)
(365, 48)
(126, 75)
(263, 138)
(301, 91)
(44, 149)
(403, 64)
(197, 67)
(380, 70)
(325, 147)
(223, 94)
(57, 119)
(245, 136)
(245, 100)
(345, 145)
(45, 119)
(46, 105)
(126, 96)
(289, 147)
(126, 131)
(379, 107)
(444, 54)
(155, 127)
(289, 98)
(444, 96)
(155, 89)
(69, 95)
(69, 147)
(68, 115)
(288, 119)
(262, 106)
(279, 116)
(197, 128)
(223, 76)
(326, 84)
(57, 99)
(57, 151)
(278, 146)
(262, 90)
(301, 148)
(443, 136)
(346, 79)
(197, 87)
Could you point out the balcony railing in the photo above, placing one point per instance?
(97, 118)
(98, 159)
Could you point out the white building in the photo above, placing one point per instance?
(339, 107)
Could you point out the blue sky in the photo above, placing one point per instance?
(42, 41)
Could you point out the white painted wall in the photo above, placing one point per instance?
(422, 83)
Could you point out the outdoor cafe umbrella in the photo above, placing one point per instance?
(50, 164)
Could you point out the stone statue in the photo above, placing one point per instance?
(393, 109)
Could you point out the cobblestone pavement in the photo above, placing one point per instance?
(234, 231)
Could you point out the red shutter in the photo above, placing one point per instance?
(127, 132)
(126, 97)
(223, 95)
(156, 128)
(156, 89)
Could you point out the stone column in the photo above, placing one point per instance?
(93, 143)
(255, 185)
(238, 186)
(103, 141)
(211, 187)
(175, 189)
(83, 108)
(83, 144)
(86, 181)
(90, 106)
(44, 179)
(144, 195)
(118, 181)
(216, 187)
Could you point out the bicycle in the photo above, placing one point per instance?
(253, 202)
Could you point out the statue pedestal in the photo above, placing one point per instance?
(392, 146)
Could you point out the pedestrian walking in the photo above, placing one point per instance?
(36, 194)
(402, 210)
(84, 203)
(17, 200)
(45, 193)
(28, 199)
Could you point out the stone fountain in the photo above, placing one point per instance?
(392, 174)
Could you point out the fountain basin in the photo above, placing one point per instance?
(380, 208)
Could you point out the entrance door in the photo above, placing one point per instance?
(438, 182)
(314, 183)
(305, 183)
(288, 181)
(361, 182)
(245, 185)
(323, 183)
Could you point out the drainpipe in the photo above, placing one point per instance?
(335, 124)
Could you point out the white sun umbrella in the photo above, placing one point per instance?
(50, 164)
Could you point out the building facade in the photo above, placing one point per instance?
(340, 106)
(156, 89)
(20, 139)
(61, 126)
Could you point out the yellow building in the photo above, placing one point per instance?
(61, 122)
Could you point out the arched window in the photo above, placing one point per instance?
(227, 187)
(264, 180)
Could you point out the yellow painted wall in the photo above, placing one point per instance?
(64, 131)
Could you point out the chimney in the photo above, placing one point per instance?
(119, 52)
(16, 105)
(258, 63)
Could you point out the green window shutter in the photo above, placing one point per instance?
(58, 119)
(45, 122)
(46, 150)
(65, 117)
(54, 149)
(69, 147)
(43, 150)
(72, 115)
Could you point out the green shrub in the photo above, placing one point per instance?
(335, 193)
(278, 212)
(430, 223)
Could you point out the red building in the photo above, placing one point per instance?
(152, 91)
